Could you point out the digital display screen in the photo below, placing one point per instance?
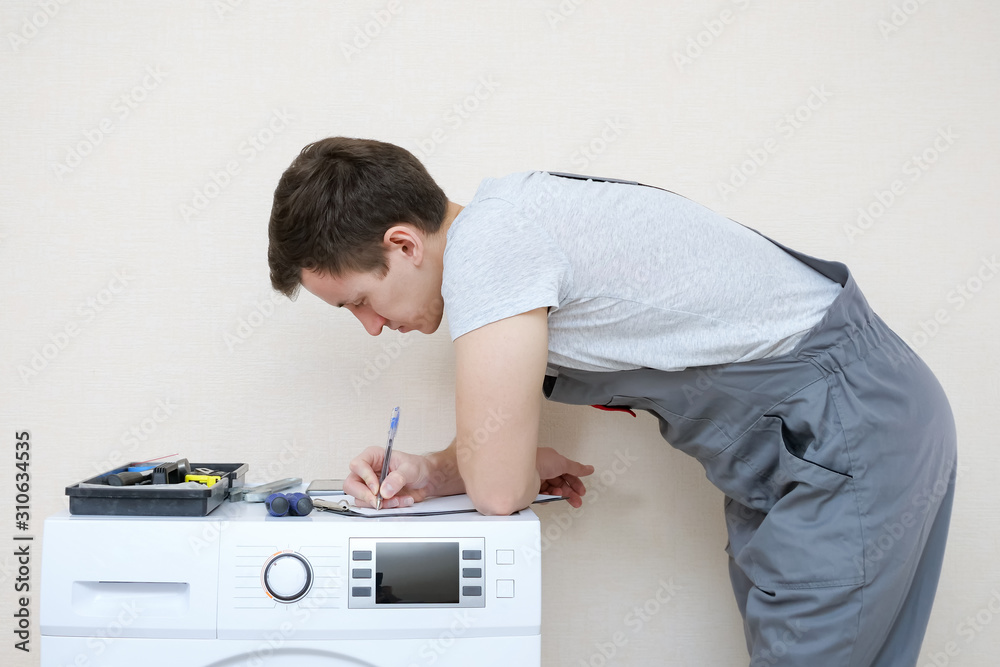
(416, 573)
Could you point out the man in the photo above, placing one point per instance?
(833, 442)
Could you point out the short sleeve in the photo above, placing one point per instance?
(498, 264)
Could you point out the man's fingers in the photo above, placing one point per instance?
(363, 469)
(571, 496)
(363, 481)
(576, 483)
(568, 483)
(397, 501)
(394, 481)
(353, 486)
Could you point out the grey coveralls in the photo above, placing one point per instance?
(838, 464)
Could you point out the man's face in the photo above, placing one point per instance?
(408, 298)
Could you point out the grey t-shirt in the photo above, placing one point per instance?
(633, 276)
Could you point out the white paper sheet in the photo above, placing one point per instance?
(431, 506)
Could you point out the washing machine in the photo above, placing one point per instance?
(241, 588)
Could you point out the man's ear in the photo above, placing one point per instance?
(406, 239)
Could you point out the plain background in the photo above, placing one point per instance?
(138, 320)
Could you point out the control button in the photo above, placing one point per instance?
(472, 591)
(362, 555)
(505, 588)
(471, 554)
(472, 572)
(505, 556)
(361, 591)
(287, 577)
(361, 573)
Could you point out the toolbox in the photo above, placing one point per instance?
(97, 496)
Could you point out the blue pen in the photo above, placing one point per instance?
(393, 423)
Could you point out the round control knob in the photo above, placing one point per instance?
(287, 576)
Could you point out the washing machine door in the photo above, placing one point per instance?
(265, 656)
(442, 651)
(445, 650)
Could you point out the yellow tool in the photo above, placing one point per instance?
(207, 480)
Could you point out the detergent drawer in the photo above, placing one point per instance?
(129, 577)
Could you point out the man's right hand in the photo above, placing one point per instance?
(413, 478)
(407, 482)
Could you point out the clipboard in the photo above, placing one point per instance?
(457, 504)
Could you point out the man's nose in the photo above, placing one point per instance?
(370, 320)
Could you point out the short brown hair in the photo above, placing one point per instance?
(335, 202)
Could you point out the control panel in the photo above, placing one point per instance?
(417, 572)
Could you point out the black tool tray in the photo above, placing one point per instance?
(161, 500)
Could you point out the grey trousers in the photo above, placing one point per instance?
(838, 465)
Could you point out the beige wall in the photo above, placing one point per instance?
(134, 292)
